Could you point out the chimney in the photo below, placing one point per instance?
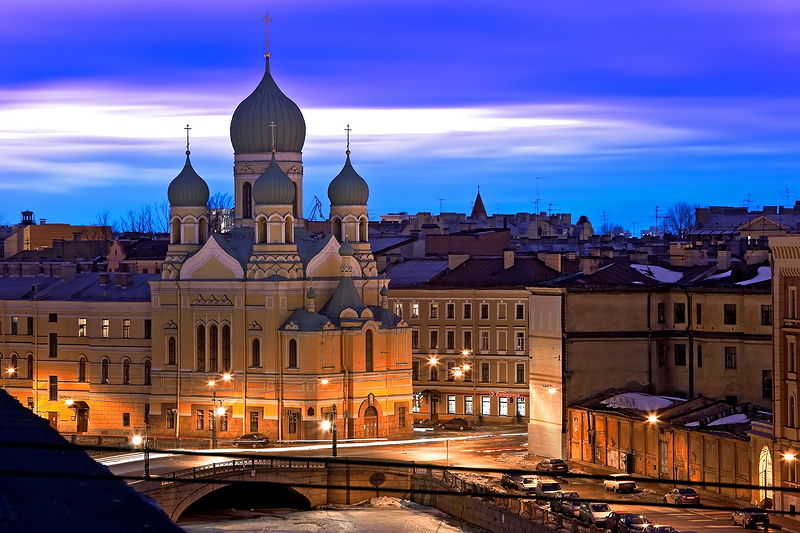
(640, 258)
(76, 236)
(551, 260)
(754, 257)
(723, 259)
(68, 271)
(123, 279)
(455, 260)
(589, 265)
(103, 278)
(508, 259)
(42, 221)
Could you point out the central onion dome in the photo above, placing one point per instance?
(273, 187)
(348, 188)
(250, 125)
(188, 189)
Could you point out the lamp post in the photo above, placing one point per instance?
(9, 372)
(467, 368)
(138, 441)
(333, 432)
(216, 410)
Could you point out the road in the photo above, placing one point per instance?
(501, 448)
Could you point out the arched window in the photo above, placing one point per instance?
(201, 348)
(172, 351)
(369, 361)
(30, 366)
(126, 372)
(175, 231)
(292, 353)
(148, 372)
(14, 364)
(203, 237)
(82, 369)
(337, 228)
(310, 411)
(247, 200)
(226, 348)
(791, 412)
(255, 355)
(104, 371)
(261, 230)
(287, 230)
(213, 347)
(362, 233)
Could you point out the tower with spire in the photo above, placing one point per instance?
(478, 209)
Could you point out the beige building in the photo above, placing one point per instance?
(28, 235)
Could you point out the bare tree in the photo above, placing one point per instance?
(161, 217)
(680, 219)
(220, 212)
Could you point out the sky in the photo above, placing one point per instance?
(616, 106)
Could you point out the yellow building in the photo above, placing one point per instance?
(265, 329)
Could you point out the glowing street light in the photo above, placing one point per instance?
(11, 371)
(324, 381)
(326, 425)
(69, 402)
(226, 376)
(457, 372)
(790, 456)
(652, 419)
(433, 360)
(220, 411)
(137, 440)
(212, 383)
(552, 390)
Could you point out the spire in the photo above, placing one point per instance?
(478, 209)
(187, 128)
(266, 20)
(272, 127)
(348, 129)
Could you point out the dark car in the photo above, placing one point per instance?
(252, 440)
(750, 517)
(682, 496)
(518, 482)
(564, 503)
(552, 465)
(659, 528)
(455, 423)
(627, 522)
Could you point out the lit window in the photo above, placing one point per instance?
(486, 405)
(81, 327)
(467, 405)
(106, 328)
(434, 310)
(520, 406)
(519, 341)
(398, 309)
(484, 340)
(451, 404)
(503, 406)
(126, 328)
(414, 310)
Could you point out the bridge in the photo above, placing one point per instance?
(305, 483)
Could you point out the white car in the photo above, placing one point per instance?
(594, 513)
(619, 483)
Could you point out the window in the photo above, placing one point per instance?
(126, 419)
(398, 309)
(81, 327)
(52, 347)
(660, 313)
(253, 421)
(170, 419)
(766, 384)
(104, 371)
(52, 388)
(105, 328)
(502, 406)
(520, 378)
(82, 369)
(201, 348)
(415, 339)
(450, 369)
(661, 349)
(293, 353)
(519, 341)
(484, 311)
(519, 312)
(484, 372)
(730, 357)
(451, 404)
(450, 311)
(172, 351)
(729, 316)
(467, 405)
(699, 313)
(467, 339)
(148, 372)
(680, 313)
(226, 348)
(415, 310)
(30, 366)
(484, 340)
(201, 419)
(223, 421)
(699, 356)
(369, 359)
(126, 372)
(29, 320)
(791, 357)
(415, 403)
(148, 328)
(414, 370)
(14, 362)
(434, 311)
(255, 353)
(792, 302)
(247, 200)
(468, 311)
(292, 423)
(486, 405)
(450, 340)
(434, 340)
(212, 419)
(766, 315)
(680, 355)
(501, 311)
(401, 416)
(126, 328)
(434, 373)
(520, 406)
(52, 317)
(790, 418)
(213, 347)
(14, 325)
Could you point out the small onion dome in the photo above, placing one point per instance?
(188, 189)
(384, 291)
(346, 249)
(250, 125)
(311, 294)
(273, 187)
(348, 188)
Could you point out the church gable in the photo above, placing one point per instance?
(327, 263)
(211, 262)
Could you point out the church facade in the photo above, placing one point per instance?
(266, 329)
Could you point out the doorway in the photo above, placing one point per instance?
(82, 419)
(370, 422)
(52, 418)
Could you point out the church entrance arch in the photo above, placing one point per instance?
(370, 422)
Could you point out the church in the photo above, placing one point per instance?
(269, 328)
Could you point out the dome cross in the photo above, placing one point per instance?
(266, 20)
(348, 129)
(187, 128)
(272, 127)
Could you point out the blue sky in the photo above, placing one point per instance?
(617, 105)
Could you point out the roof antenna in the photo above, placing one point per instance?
(348, 129)
(272, 127)
(266, 20)
(187, 128)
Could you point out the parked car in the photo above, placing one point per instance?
(660, 528)
(552, 465)
(750, 517)
(627, 522)
(455, 423)
(619, 483)
(522, 482)
(546, 488)
(594, 513)
(565, 504)
(252, 440)
(682, 496)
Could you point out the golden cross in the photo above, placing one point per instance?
(267, 20)
(348, 129)
(272, 127)
(187, 128)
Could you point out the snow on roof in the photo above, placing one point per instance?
(738, 418)
(720, 276)
(764, 274)
(639, 401)
(658, 273)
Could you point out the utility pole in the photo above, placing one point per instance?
(333, 432)
(657, 217)
(537, 199)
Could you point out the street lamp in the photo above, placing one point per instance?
(652, 419)
(216, 410)
(790, 456)
(466, 367)
(333, 430)
(140, 441)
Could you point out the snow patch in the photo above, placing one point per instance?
(660, 274)
(639, 401)
(738, 418)
(764, 274)
(384, 501)
(726, 274)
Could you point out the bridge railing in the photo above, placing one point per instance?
(238, 465)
